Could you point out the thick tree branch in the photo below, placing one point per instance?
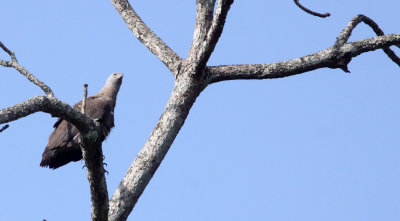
(92, 153)
(14, 64)
(147, 36)
(52, 106)
(186, 90)
(331, 57)
(345, 35)
(156, 147)
(204, 17)
(203, 49)
(310, 11)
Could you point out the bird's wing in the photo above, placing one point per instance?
(65, 133)
(63, 141)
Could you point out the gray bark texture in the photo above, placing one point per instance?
(192, 75)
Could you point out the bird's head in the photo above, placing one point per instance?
(115, 80)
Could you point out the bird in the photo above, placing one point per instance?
(63, 146)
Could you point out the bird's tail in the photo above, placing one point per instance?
(55, 158)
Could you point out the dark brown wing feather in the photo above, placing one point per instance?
(63, 146)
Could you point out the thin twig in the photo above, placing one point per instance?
(83, 107)
(8, 51)
(14, 64)
(33, 79)
(4, 127)
(311, 12)
(346, 33)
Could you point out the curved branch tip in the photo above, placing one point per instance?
(327, 14)
(14, 64)
(4, 127)
(347, 31)
(9, 52)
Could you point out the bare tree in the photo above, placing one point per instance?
(192, 76)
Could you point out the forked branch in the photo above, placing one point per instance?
(187, 89)
(201, 51)
(337, 56)
(331, 58)
(184, 94)
(204, 17)
(346, 33)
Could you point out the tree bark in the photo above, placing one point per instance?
(139, 174)
(92, 153)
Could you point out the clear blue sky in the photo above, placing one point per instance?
(324, 145)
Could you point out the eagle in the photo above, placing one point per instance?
(63, 146)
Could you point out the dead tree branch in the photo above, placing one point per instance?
(14, 64)
(204, 17)
(92, 138)
(147, 36)
(8, 51)
(91, 131)
(52, 106)
(156, 147)
(207, 32)
(187, 89)
(92, 153)
(346, 33)
(202, 52)
(310, 11)
(331, 57)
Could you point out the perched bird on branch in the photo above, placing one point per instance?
(63, 146)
